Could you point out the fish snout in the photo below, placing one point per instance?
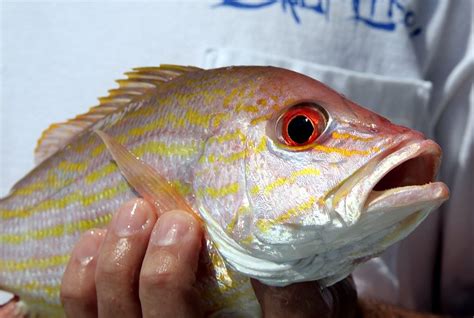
(406, 178)
(409, 167)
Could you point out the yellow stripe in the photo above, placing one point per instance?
(225, 158)
(262, 102)
(100, 148)
(246, 108)
(327, 149)
(45, 309)
(294, 211)
(337, 135)
(265, 224)
(50, 182)
(228, 159)
(223, 275)
(97, 150)
(228, 137)
(51, 290)
(58, 231)
(219, 118)
(195, 118)
(55, 231)
(84, 145)
(171, 120)
(67, 166)
(215, 192)
(145, 111)
(255, 190)
(248, 240)
(101, 173)
(163, 149)
(258, 120)
(156, 124)
(228, 291)
(38, 263)
(345, 152)
(235, 94)
(183, 188)
(261, 146)
(159, 148)
(210, 95)
(241, 210)
(191, 116)
(286, 180)
(106, 194)
(61, 203)
(155, 147)
(227, 283)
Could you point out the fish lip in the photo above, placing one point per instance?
(354, 197)
(426, 191)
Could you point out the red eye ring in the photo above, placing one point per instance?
(301, 125)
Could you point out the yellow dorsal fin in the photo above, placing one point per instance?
(138, 82)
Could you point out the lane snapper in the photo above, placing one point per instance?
(293, 181)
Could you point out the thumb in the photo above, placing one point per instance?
(296, 300)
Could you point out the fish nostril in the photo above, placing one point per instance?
(416, 171)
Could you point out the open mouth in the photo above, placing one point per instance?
(406, 177)
(400, 179)
(419, 170)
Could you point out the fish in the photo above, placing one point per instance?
(293, 181)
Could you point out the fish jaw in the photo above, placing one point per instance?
(400, 180)
(421, 197)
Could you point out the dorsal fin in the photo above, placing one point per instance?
(138, 82)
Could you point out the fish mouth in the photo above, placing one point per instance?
(400, 179)
(405, 177)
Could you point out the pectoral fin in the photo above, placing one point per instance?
(145, 179)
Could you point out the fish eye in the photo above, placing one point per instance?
(301, 125)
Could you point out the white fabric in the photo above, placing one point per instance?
(58, 57)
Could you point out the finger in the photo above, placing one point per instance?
(8, 310)
(120, 260)
(13, 309)
(78, 294)
(296, 300)
(169, 267)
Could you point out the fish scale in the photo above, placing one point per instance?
(273, 211)
(84, 200)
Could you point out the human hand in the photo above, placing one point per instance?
(144, 266)
(308, 300)
(13, 309)
(139, 266)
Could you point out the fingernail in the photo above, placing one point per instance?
(88, 246)
(172, 227)
(132, 217)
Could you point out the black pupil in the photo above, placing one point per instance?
(300, 129)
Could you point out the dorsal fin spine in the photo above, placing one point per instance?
(139, 82)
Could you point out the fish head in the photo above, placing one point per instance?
(321, 173)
